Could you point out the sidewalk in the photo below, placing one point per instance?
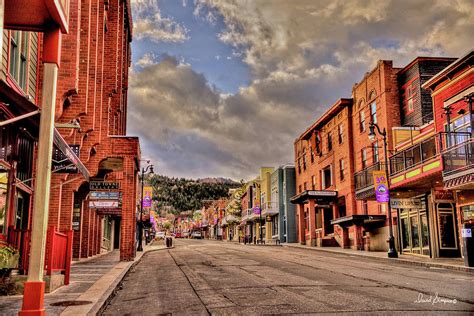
(439, 263)
(92, 282)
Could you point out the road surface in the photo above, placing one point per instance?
(202, 277)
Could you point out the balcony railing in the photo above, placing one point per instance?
(424, 151)
(364, 178)
(459, 157)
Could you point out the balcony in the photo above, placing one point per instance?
(270, 208)
(364, 181)
(458, 161)
(413, 165)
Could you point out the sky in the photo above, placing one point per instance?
(219, 88)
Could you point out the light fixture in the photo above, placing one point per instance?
(371, 132)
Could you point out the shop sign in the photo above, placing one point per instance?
(110, 211)
(381, 186)
(443, 195)
(62, 163)
(147, 194)
(105, 195)
(405, 203)
(103, 185)
(103, 204)
(269, 218)
(322, 193)
(257, 210)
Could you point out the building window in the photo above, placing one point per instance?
(304, 186)
(341, 169)
(300, 189)
(362, 121)
(23, 61)
(311, 152)
(363, 155)
(365, 207)
(326, 177)
(306, 220)
(14, 53)
(313, 182)
(373, 112)
(375, 152)
(340, 133)
(304, 160)
(275, 225)
(329, 141)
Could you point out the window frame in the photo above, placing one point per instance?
(363, 157)
(362, 119)
(341, 169)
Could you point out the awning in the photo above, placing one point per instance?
(359, 220)
(18, 105)
(318, 195)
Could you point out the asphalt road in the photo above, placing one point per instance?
(201, 277)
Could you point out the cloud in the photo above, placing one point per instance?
(303, 56)
(149, 24)
(147, 59)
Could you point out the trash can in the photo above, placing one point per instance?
(169, 242)
(468, 243)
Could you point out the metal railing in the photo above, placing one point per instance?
(459, 157)
(425, 150)
(364, 178)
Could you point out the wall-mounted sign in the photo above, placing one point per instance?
(147, 195)
(322, 193)
(443, 195)
(405, 203)
(103, 204)
(104, 195)
(257, 210)
(61, 163)
(381, 186)
(103, 185)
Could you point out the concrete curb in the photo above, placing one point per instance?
(109, 293)
(389, 260)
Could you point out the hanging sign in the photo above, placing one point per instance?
(269, 218)
(103, 204)
(103, 185)
(104, 195)
(257, 210)
(147, 194)
(381, 186)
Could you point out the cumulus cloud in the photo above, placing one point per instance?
(303, 56)
(149, 24)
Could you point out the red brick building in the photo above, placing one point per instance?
(92, 90)
(324, 182)
(89, 138)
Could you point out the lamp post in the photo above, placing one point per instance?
(140, 232)
(392, 253)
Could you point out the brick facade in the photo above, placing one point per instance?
(92, 90)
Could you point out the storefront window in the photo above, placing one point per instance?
(3, 200)
(275, 225)
(405, 231)
(414, 232)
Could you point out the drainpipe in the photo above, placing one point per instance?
(33, 297)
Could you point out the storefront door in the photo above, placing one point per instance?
(414, 231)
(447, 232)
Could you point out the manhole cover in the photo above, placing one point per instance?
(71, 303)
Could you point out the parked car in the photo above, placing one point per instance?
(160, 235)
(196, 235)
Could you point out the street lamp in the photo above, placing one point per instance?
(392, 253)
(140, 233)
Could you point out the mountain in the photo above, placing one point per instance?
(219, 180)
(180, 194)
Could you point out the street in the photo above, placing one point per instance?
(214, 277)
